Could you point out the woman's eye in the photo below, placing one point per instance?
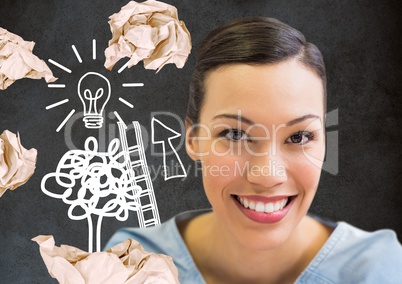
(301, 137)
(234, 135)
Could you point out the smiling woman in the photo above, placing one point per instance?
(256, 121)
(296, 111)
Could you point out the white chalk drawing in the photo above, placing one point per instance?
(57, 104)
(77, 54)
(96, 184)
(131, 85)
(168, 174)
(94, 49)
(92, 97)
(65, 120)
(62, 67)
(56, 86)
(123, 67)
(105, 184)
(148, 214)
(116, 114)
(130, 105)
(97, 175)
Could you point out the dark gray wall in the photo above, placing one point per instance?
(361, 43)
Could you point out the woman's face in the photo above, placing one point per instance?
(261, 142)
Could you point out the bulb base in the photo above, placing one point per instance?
(93, 121)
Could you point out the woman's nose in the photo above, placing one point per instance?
(266, 170)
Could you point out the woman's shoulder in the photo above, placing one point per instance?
(352, 255)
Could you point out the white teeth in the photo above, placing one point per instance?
(269, 207)
(260, 207)
(263, 207)
(245, 202)
(252, 205)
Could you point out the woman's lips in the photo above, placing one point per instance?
(264, 210)
(261, 206)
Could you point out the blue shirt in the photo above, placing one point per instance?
(350, 255)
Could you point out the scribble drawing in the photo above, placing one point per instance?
(105, 184)
(94, 183)
(94, 98)
(148, 214)
(159, 137)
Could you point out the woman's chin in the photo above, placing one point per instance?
(261, 239)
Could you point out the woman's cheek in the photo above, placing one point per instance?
(221, 171)
(306, 173)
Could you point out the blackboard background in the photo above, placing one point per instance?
(361, 44)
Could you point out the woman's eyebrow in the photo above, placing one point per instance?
(234, 116)
(301, 118)
(250, 122)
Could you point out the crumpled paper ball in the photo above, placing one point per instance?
(126, 262)
(17, 61)
(17, 164)
(148, 31)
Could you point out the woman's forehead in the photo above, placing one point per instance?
(285, 90)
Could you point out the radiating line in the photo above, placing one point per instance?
(128, 85)
(94, 49)
(123, 67)
(57, 104)
(76, 53)
(126, 102)
(56, 86)
(60, 66)
(119, 118)
(65, 120)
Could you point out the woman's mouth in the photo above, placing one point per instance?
(266, 207)
(264, 210)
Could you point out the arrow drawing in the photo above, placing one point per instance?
(164, 135)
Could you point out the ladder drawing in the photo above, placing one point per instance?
(134, 156)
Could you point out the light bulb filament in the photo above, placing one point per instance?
(92, 107)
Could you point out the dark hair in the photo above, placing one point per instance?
(256, 40)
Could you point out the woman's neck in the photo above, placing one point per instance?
(222, 259)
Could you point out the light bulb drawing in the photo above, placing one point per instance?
(94, 116)
(93, 99)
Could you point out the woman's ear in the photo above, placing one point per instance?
(191, 140)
